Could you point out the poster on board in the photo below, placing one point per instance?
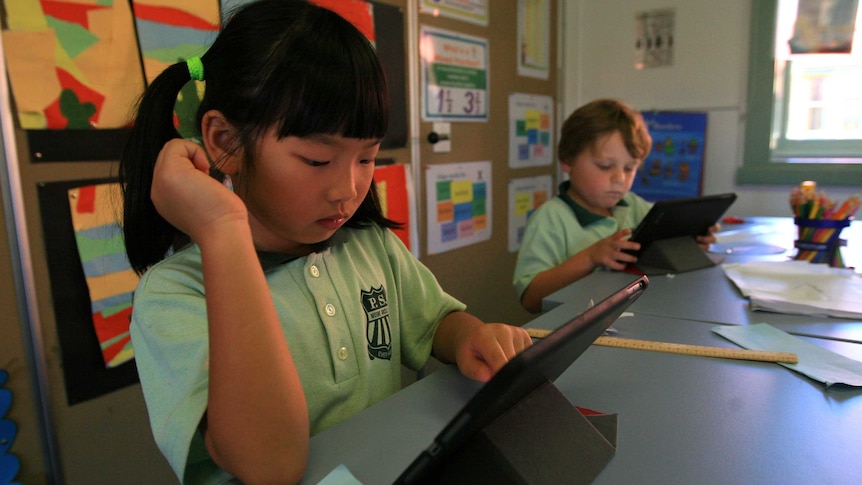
(534, 38)
(674, 167)
(454, 76)
(531, 130)
(526, 194)
(458, 205)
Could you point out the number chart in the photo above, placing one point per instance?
(454, 76)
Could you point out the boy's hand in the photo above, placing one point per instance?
(709, 238)
(487, 348)
(609, 252)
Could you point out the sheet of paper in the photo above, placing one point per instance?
(798, 287)
(814, 362)
(339, 476)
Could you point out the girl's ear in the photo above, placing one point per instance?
(219, 139)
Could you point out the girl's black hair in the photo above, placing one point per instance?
(283, 64)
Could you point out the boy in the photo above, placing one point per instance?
(602, 145)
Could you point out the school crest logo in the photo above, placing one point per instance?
(377, 330)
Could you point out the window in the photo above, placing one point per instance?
(804, 109)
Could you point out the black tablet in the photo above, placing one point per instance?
(680, 217)
(538, 364)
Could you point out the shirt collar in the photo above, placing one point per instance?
(271, 259)
(584, 217)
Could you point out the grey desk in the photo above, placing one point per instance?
(707, 295)
(682, 419)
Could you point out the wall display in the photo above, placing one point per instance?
(525, 196)
(111, 281)
(72, 64)
(166, 34)
(674, 167)
(534, 34)
(459, 205)
(85, 374)
(169, 34)
(531, 130)
(395, 189)
(455, 76)
(654, 37)
(474, 11)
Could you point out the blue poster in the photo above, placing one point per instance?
(674, 167)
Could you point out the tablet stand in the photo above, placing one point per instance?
(673, 255)
(541, 439)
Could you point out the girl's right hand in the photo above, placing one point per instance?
(187, 196)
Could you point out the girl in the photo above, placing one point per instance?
(287, 304)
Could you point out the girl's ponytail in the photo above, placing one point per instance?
(147, 235)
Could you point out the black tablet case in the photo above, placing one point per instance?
(667, 233)
(519, 428)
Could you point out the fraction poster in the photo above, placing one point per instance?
(531, 129)
(459, 205)
(454, 76)
(525, 196)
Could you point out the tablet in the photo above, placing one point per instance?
(680, 217)
(538, 364)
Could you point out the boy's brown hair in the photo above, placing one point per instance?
(583, 128)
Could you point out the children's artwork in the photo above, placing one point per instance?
(171, 32)
(531, 129)
(474, 11)
(110, 279)
(454, 76)
(9, 464)
(674, 167)
(534, 34)
(459, 205)
(525, 196)
(359, 12)
(72, 64)
(395, 187)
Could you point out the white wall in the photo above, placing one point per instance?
(709, 73)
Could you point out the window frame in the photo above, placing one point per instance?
(761, 165)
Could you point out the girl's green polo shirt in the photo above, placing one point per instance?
(352, 314)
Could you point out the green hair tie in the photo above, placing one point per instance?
(196, 68)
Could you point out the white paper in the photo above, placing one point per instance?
(798, 287)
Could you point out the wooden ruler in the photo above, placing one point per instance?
(701, 350)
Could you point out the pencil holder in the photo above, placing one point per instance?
(818, 240)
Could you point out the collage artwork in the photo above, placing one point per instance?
(82, 64)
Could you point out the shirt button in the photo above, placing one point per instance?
(314, 271)
(342, 353)
(330, 309)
